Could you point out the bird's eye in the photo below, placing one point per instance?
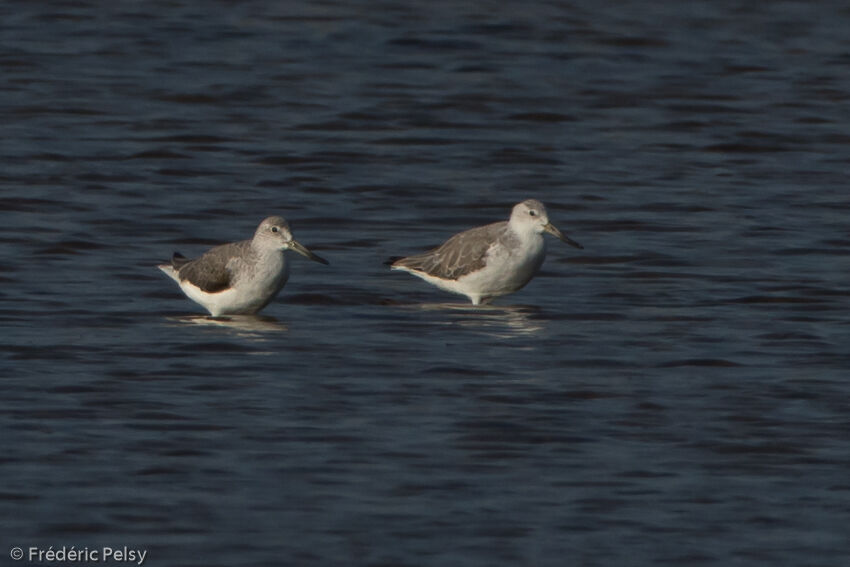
(275, 229)
(533, 213)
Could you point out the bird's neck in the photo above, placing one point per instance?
(525, 232)
(261, 251)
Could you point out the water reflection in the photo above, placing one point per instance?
(246, 326)
(499, 321)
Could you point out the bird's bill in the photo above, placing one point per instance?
(297, 247)
(551, 229)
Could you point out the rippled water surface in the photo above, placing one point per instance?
(675, 393)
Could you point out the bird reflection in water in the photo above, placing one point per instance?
(249, 326)
(500, 321)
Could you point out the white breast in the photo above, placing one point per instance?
(508, 269)
(257, 284)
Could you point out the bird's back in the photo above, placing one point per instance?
(461, 254)
(211, 272)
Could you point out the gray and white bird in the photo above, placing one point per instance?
(239, 277)
(488, 261)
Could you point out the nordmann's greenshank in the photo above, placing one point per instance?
(488, 261)
(239, 277)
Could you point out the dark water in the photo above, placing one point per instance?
(674, 394)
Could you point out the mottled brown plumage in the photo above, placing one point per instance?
(212, 272)
(461, 254)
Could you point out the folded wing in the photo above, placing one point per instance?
(210, 272)
(461, 254)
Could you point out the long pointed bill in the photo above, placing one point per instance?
(293, 245)
(550, 228)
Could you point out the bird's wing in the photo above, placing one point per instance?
(178, 260)
(210, 272)
(461, 254)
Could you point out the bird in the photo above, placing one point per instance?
(239, 278)
(488, 261)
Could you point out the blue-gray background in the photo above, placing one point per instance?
(676, 393)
